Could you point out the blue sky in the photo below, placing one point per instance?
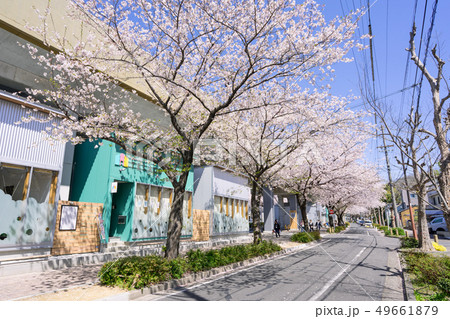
(391, 23)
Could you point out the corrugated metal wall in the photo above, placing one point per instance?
(25, 143)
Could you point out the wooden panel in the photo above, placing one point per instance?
(85, 238)
(51, 199)
(227, 207)
(147, 194)
(159, 200)
(190, 205)
(200, 225)
(293, 220)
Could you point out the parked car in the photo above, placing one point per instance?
(437, 224)
(368, 223)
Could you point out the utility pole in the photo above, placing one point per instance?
(391, 185)
(411, 214)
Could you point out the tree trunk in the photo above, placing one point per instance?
(302, 205)
(382, 211)
(443, 145)
(424, 236)
(340, 217)
(256, 214)
(444, 185)
(176, 212)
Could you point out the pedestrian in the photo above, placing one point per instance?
(277, 227)
(311, 225)
(319, 225)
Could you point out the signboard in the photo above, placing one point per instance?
(114, 187)
(331, 212)
(69, 215)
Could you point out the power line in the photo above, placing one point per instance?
(387, 95)
(433, 15)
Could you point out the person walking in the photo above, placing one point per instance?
(311, 225)
(319, 225)
(277, 228)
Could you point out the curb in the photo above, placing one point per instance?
(408, 290)
(171, 284)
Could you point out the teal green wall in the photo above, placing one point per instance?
(94, 170)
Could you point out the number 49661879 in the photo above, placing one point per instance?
(407, 310)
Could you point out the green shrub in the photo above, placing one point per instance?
(430, 275)
(305, 237)
(388, 232)
(409, 242)
(338, 229)
(178, 267)
(135, 272)
(138, 272)
(383, 228)
(429, 269)
(444, 285)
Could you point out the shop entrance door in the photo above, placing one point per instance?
(122, 209)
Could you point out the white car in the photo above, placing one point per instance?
(437, 224)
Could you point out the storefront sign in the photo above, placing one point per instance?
(133, 162)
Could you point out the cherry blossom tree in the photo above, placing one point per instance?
(260, 142)
(360, 191)
(328, 166)
(195, 59)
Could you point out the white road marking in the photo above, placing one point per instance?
(245, 269)
(332, 281)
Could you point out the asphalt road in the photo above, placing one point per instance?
(358, 265)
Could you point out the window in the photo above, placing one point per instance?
(14, 181)
(41, 186)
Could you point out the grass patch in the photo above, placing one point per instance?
(430, 275)
(409, 242)
(138, 272)
(305, 237)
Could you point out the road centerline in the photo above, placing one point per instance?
(335, 278)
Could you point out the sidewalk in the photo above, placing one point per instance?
(78, 282)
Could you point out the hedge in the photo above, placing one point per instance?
(137, 272)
